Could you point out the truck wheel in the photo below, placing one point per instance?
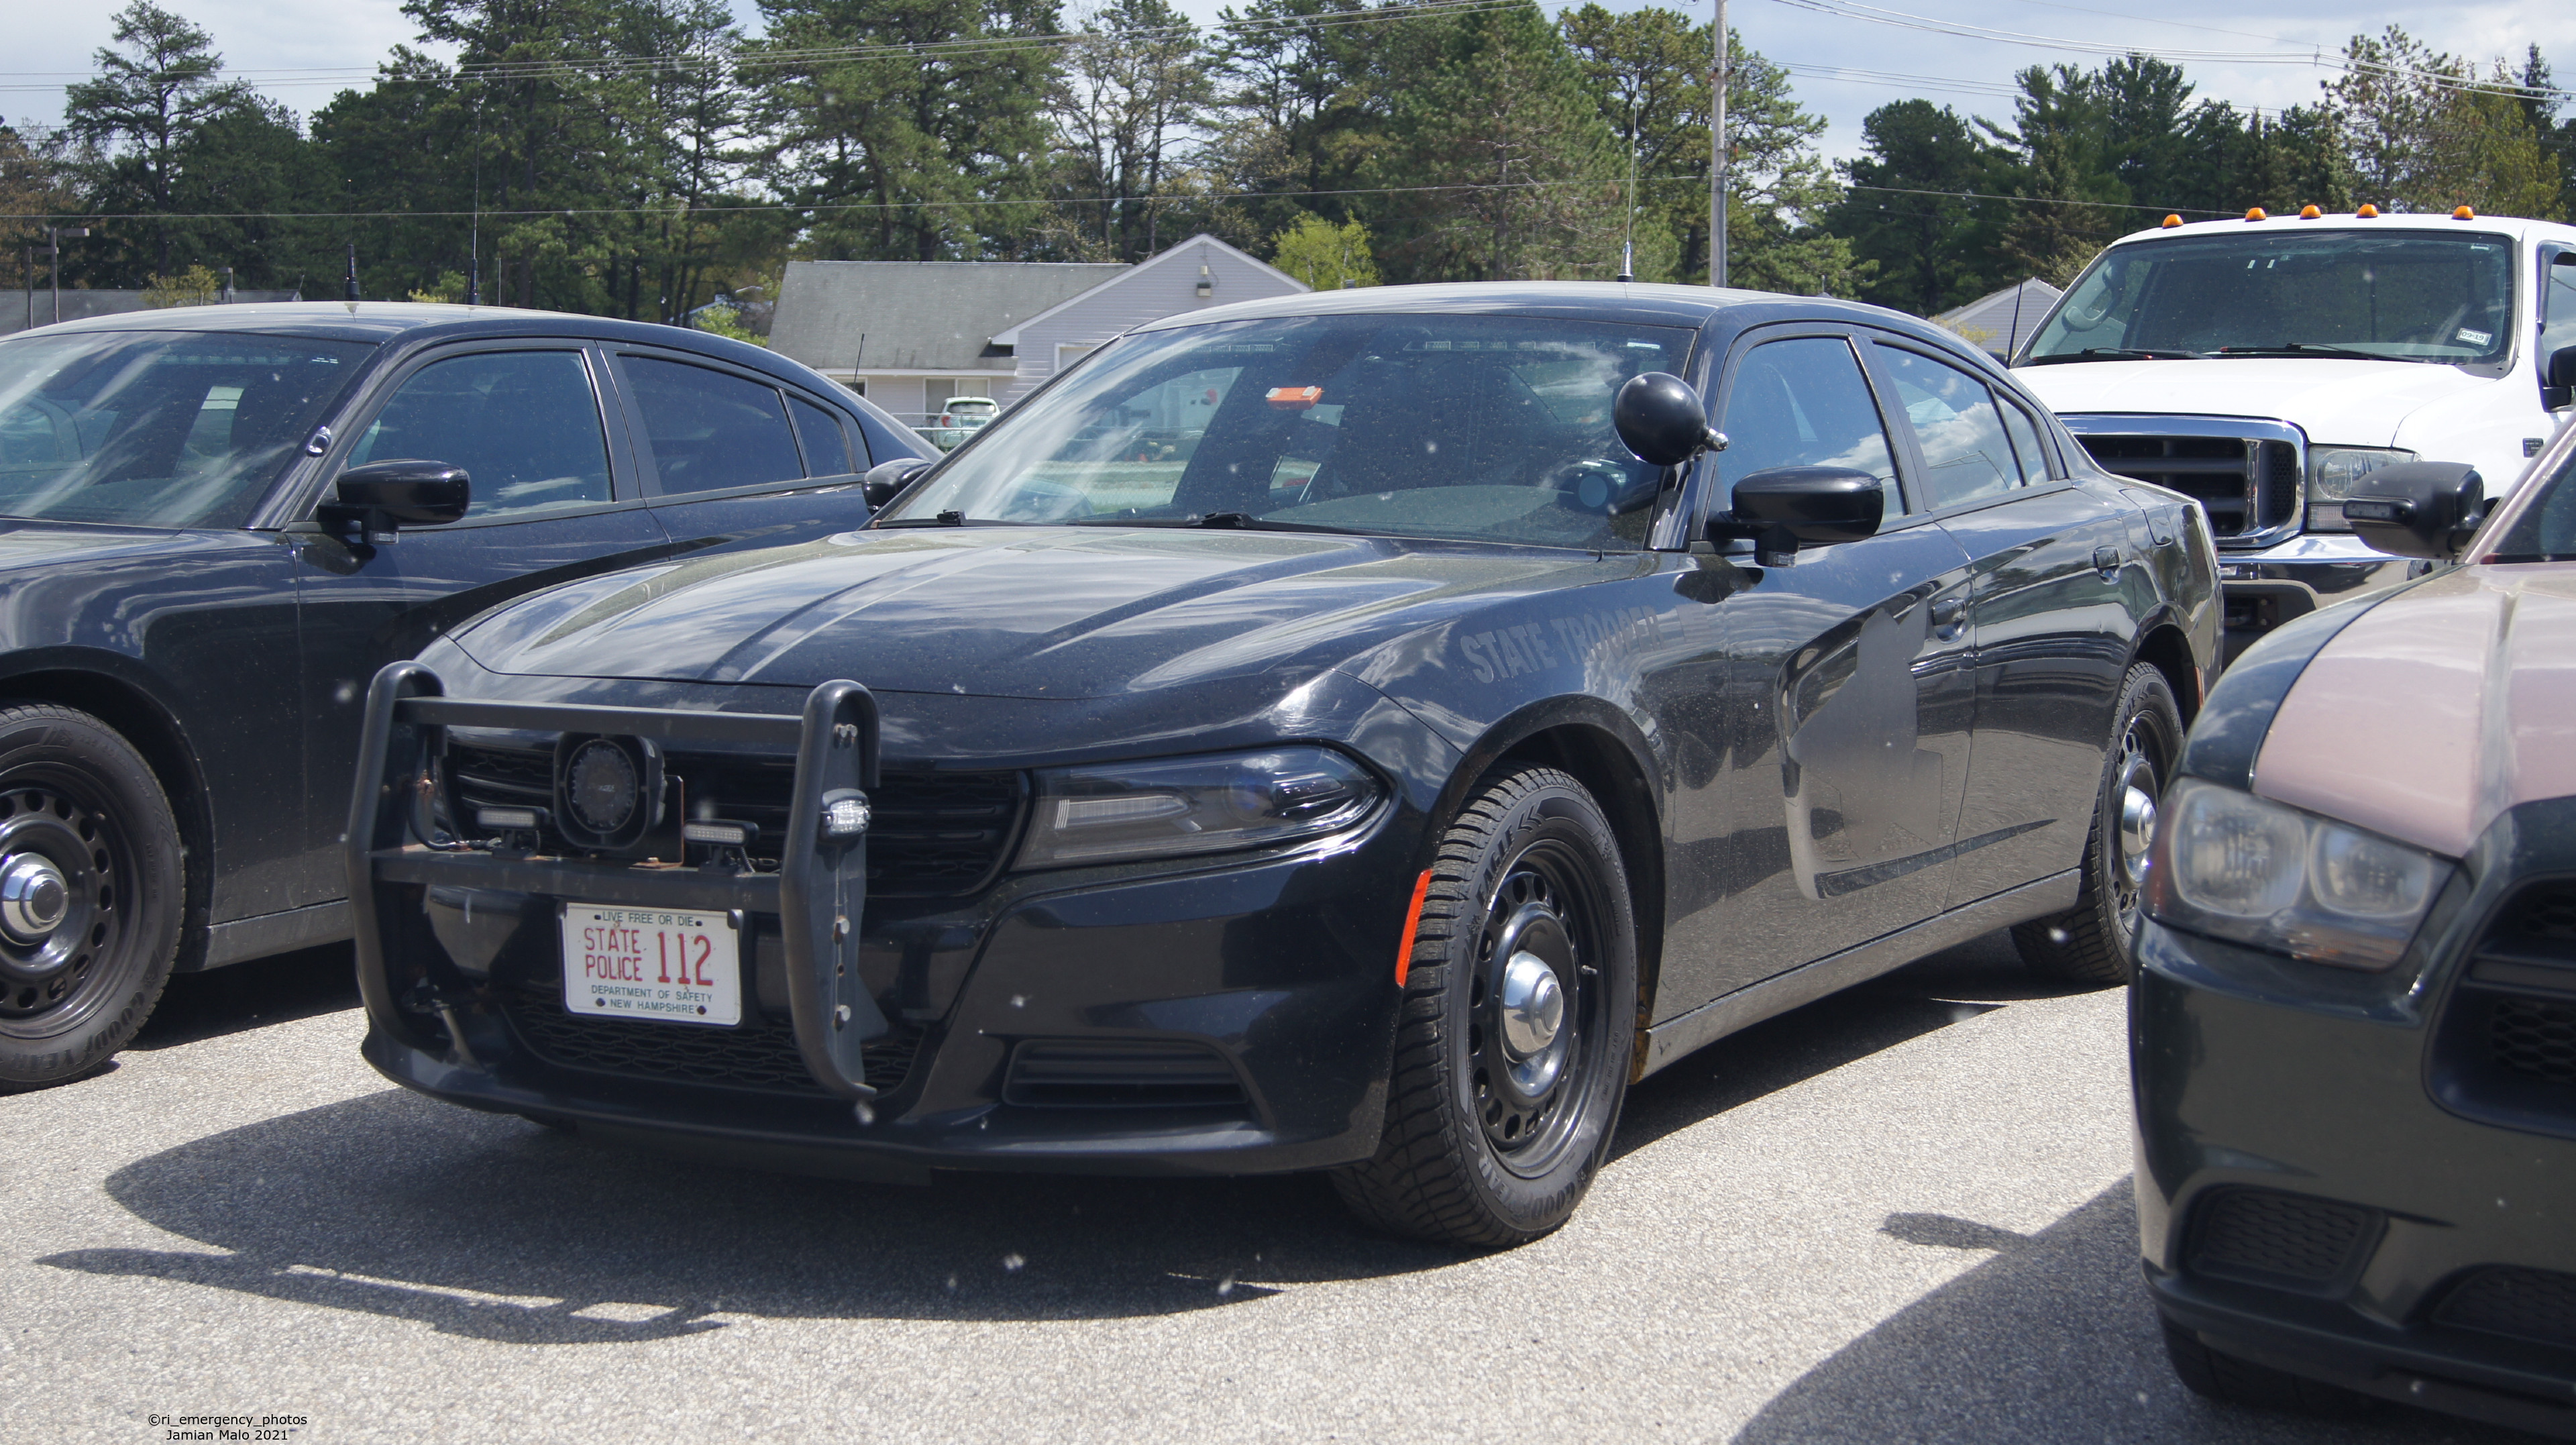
(2089, 943)
(1518, 1016)
(90, 893)
(2232, 1381)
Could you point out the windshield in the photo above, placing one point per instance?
(158, 428)
(1495, 428)
(2546, 530)
(2403, 295)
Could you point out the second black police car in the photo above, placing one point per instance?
(1360, 731)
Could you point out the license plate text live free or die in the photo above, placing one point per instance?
(651, 963)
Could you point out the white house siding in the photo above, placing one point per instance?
(1165, 286)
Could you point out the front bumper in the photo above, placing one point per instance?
(2304, 1202)
(2264, 588)
(1236, 1017)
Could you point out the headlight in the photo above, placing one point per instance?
(2331, 473)
(1179, 806)
(2234, 866)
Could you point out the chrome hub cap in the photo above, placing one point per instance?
(33, 897)
(2137, 830)
(2139, 780)
(1533, 1009)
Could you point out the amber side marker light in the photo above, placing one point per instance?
(2368, 212)
(2170, 222)
(2255, 214)
(1412, 921)
(2309, 213)
(2463, 213)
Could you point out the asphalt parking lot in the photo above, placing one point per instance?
(1900, 1214)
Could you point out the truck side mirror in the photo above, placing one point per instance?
(885, 479)
(2559, 386)
(1785, 508)
(377, 499)
(2418, 509)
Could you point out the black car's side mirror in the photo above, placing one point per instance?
(2418, 509)
(885, 479)
(2558, 385)
(1785, 508)
(1662, 420)
(378, 499)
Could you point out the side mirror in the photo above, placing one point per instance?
(2558, 384)
(885, 479)
(1785, 508)
(2418, 509)
(1662, 420)
(381, 497)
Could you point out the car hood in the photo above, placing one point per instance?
(2346, 403)
(25, 543)
(2436, 710)
(1045, 612)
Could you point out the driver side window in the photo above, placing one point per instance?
(523, 424)
(2557, 310)
(1804, 403)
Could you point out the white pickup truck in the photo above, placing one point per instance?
(2261, 365)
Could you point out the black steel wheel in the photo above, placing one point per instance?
(2091, 942)
(90, 891)
(1518, 1020)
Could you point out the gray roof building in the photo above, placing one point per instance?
(2001, 321)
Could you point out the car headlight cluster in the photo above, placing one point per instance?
(2331, 473)
(1174, 807)
(2234, 866)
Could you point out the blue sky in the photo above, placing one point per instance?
(2251, 52)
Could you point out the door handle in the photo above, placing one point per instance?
(1945, 617)
(2106, 560)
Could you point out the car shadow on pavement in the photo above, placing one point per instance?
(251, 995)
(2050, 1339)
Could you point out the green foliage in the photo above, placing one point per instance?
(1325, 256)
(448, 289)
(721, 320)
(195, 286)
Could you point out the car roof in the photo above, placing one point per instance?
(1635, 303)
(406, 321)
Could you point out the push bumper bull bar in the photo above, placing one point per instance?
(817, 894)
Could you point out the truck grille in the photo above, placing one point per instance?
(759, 1053)
(934, 834)
(2249, 486)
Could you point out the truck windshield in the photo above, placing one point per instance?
(1493, 428)
(2546, 530)
(158, 428)
(2378, 295)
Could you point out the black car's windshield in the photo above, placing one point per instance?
(158, 428)
(2546, 530)
(1494, 428)
(2393, 295)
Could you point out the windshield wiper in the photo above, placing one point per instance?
(951, 518)
(2310, 348)
(2115, 353)
(1243, 521)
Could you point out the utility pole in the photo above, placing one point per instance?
(28, 273)
(54, 260)
(228, 286)
(1717, 157)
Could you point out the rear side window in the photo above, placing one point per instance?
(1804, 403)
(827, 447)
(2025, 442)
(1955, 421)
(709, 430)
(523, 424)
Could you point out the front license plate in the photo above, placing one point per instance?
(651, 963)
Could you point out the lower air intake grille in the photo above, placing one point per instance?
(758, 1053)
(2535, 1038)
(1119, 1074)
(2531, 1304)
(2274, 1237)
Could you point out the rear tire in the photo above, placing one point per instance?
(88, 840)
(2229, 1380)
(1497, 1119)
(2090, 943)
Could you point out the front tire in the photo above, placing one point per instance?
(1517, 1023)
(2090, 943)
(90, 894)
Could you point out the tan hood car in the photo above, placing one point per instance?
(2354, 1026)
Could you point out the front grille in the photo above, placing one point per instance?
(2273, 1237)
(2247, 485)
(1119, 1074)
(2530, 1304)
(758, 1053)
(2504, 1049)
(933, 834)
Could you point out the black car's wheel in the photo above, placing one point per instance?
(1518, 1018)
(2089, 943)
(89, 894)
(2232, 1381)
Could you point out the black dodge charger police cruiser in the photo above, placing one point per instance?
(1360, 732)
